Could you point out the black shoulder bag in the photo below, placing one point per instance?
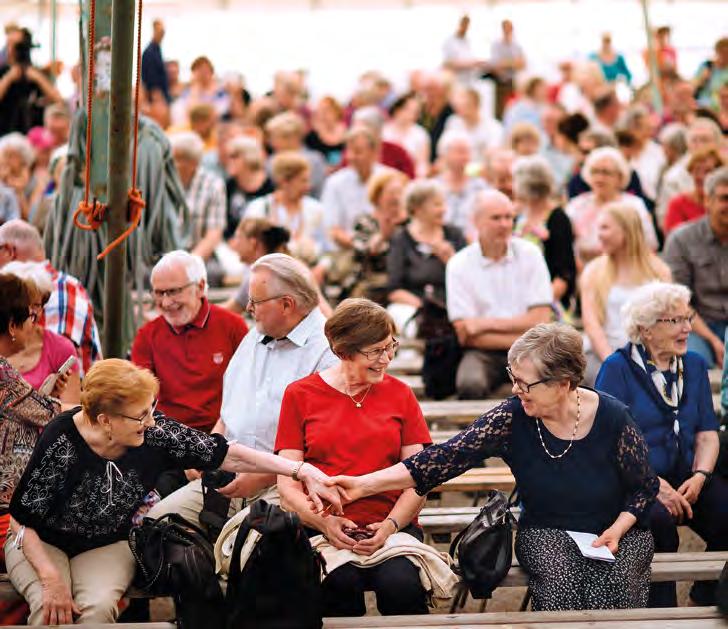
(484, 550)
(174, 558)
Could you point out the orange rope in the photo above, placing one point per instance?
(95, 213)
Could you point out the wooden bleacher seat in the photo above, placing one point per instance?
(666, 618)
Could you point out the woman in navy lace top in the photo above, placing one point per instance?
(580, 464)
(89, 474)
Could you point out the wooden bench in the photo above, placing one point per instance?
(672, 618)
(461, 413)
(480, 479)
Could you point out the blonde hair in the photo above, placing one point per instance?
(380, 181)
(112, 384)
(419, 192)
(287, 165)
(644, 263)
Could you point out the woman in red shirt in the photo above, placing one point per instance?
(353, 418)
(690, 206)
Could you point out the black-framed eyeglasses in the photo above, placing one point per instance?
(148, 414)
(525, 387)
(170, 292)
(376, 354)
(252, 303)
(677, 320)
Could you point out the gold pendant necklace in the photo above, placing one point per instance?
(353, 399)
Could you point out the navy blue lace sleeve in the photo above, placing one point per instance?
(638, 477)
(489, 435)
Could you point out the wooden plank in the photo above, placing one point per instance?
(145, 625)
(540, 619)
(414, 382)
(405, 364)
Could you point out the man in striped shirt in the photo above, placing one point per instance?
(69, 310)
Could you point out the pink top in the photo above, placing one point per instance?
(55, 352)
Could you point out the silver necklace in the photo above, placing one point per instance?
(573, 434)
(353, 399)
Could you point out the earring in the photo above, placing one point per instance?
(12, 338)
(108, 434)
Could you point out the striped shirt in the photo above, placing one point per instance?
(69, 312)
(207, 202)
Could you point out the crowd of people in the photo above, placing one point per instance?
(342, 228)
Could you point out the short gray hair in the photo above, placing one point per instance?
(362, 130)
(18, 143)
(419, 192)
(649, 303)
(193, 265)
(249, 149)
(533, 178)
(606, 152)
(719, 177)
(189, 144)
(674, 135)
(23, 236)
(633, 116)
(293, 278)
(371, 116)
(556, 350)
(452, 137)
(34, 272)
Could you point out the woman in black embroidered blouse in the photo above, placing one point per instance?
(90, 472)
(580, 465)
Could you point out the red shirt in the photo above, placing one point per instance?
(682, 209)
(190, 362)
(339, 438)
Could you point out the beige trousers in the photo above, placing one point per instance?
(97, 579)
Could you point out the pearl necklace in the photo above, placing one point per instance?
(573, 434)
(353, 399)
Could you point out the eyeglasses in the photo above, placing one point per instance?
(252, 303)
(525, 387)
(148, 414)
(376, 354)
(170, 292)
(677, 320)
(603, 171)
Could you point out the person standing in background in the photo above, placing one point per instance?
(154, 72)
(507, 58)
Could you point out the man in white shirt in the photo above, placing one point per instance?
(497, 288)
(288, 343)
(649, 158)
(345, 192)
(457, 55)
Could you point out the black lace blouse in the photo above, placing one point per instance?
(76, 500)
(603, 474)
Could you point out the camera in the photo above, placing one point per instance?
(21, 50)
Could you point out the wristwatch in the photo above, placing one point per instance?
(707, 475)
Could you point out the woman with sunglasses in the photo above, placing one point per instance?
(579, 462)
(90, 472)
(23, 411)
(667, 389)
(353, 418)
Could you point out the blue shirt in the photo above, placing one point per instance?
(671, 455)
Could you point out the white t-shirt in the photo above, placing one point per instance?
(482, 287)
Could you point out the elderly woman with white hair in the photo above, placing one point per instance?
(44, 352)
(580, 464)
(17, 158)
(607, 173)
(667, 389)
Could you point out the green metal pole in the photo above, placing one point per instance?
(122, 47)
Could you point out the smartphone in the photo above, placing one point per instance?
(47, 387)
(359, 534)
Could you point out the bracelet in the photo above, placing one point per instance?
(705, 473)
(296, 470)
(393, 521)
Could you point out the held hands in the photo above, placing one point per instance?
(351, 488)
(321, 489)
(58, 604)
(676, 502)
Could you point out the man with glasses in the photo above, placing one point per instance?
(497, 288)
(697, 254)
(288, 343)
(188, 347)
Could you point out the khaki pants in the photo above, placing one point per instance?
(97, 579)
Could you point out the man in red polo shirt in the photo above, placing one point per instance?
(188, 347)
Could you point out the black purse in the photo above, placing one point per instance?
(484, 550)
(174, 558)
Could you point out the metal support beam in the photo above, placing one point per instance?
(655, 79)
(122, 55)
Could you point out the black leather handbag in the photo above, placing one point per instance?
(174, 558)
(484, 550)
